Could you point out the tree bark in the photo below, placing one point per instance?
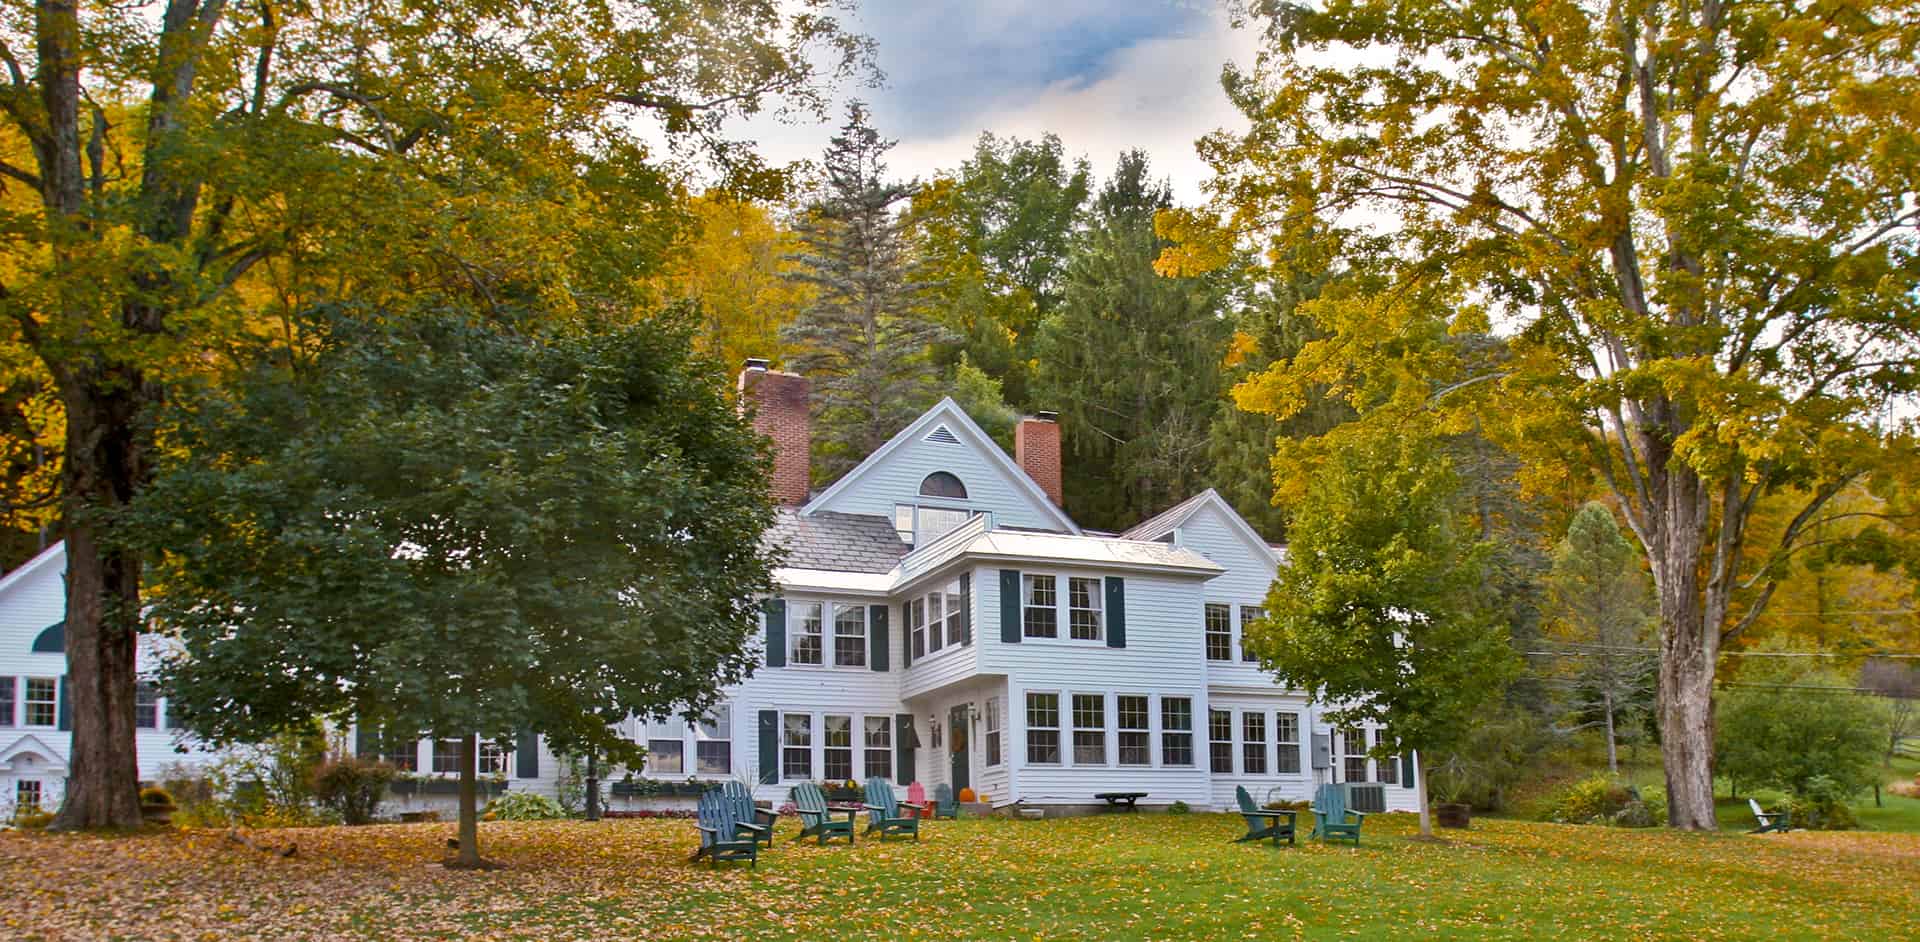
(1613, 750)
(593, 786)
(1420, 794)
(468, 856)
(1689, 649)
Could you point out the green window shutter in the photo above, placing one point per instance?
(966, 608)
(526, 755)
(769, 747)
(1010, 606)
(877, 642)
(1116, 612)
(776, 617)
(903, 740)
(1406, 771)
(65, 710)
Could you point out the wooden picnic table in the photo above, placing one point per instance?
(1116, 800)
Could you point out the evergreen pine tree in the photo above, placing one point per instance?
(1131, 361)
(861, 340)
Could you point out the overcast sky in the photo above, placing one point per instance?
(1104, 75)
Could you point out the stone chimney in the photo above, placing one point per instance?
(779, 404)
(1036, 448)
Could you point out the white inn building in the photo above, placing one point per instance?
(939, 619)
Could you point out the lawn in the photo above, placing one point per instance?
(1110, 877)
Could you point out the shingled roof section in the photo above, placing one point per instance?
(836, 541)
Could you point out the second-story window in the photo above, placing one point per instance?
(1248, 615)
(954, 612)
(849, 636)
(807, 640)
(1219, 632)
(42, 701)
(1040, 617)
(917, 626)
(1084, 619)
(936, 621)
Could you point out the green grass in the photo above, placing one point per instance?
(1104, 877)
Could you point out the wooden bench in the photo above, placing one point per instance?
(1117, 800)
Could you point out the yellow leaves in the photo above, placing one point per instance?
(1200, 243)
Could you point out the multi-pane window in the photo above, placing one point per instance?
(1353, 745)
(1089, 729)
(1220, 741)
(713, 749)
(1134, 725)
(936, 620)
(879, 745)
(43, 701)
(446, 757)
(1389, 767)
(1253, 742)
(917, 626)
(807, 642)
(146, 705)
(1176, 731)
(796, 746)
(993, 730)
(849, 636)
(1219, 632)
(6, 701)
(27, 796)
(1286, 738)
(1043, 728)
(954, 612)
(1040, 618)
(493, 758)
(839, 748)
(399, 752)
(1084, 620)
(666, 746)
(1248, 615)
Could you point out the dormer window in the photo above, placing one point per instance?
(943, 484)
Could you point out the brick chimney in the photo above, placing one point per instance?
(1036, 448)
(779, 404)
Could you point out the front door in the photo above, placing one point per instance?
(958, 747)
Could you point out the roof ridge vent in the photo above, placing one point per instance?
(943, 435)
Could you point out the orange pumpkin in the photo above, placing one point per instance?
(966, 794)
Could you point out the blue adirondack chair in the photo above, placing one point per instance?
(723, 836)
(816, 819)
(1263, 823)
(1332, 819)
(943, 804)
(883, 811)
(744, 809)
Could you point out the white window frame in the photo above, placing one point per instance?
(1247, 744)
(1028, 728)
(995, 740)
(1029, 586)
(1144, 731)
(28, 702)
(1231, 742)
(8, 711)
(721, 721)
(936, 614)
(796, 631)
(870, 746)
(148, 691)
(1348, 756)
(1240, 627)
(860, 645)
(1160, 721)
(907, 519)
(451, 763)
(1105, 729)
(492, 759)
(1096, 604)
(1283, 747)
(23, 804)
(850, 748)
(669, 731)
(788, 746)
(1208, 633)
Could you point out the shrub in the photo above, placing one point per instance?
(524, 806)
(1822, 805)
(1605, 800)
(33, 820)
(155, 795)
(1781, 733)
(1178, 807)
(352, 787)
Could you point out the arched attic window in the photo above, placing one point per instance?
(942, 484)
(52, 640)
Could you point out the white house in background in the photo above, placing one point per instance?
(939, 619)
(35, 737)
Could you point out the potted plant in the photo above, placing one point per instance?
(156, 806)
(1450, 783)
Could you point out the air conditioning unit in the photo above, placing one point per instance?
(1366, 797)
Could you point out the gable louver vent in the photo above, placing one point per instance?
(943, 435)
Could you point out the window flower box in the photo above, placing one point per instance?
(484, 788)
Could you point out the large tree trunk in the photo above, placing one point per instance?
(106, 459)
(468, 857)
(1689, 647)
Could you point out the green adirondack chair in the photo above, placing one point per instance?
(943, 804)
(883, 811)
(1263, 824)
(816, 819)
(744, 809)
(1332, 819)
(723, 836)
(1769, 820)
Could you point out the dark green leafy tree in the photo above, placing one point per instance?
(864, 339)
(1381, 610)
(1782, 724)
(451, 528)
(1131, 361)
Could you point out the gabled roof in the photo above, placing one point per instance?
(956, 419)
(49, 556)
(836, 541)
(1159, 525)
(30, 743)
